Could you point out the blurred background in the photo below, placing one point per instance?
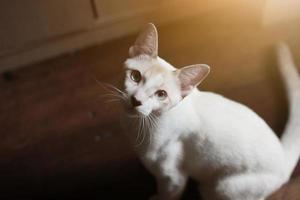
(60, 140)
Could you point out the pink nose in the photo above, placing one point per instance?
(135, 102)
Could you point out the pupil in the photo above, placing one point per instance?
(161, 93)
(136, 76)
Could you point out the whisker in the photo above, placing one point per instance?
(144, 129)
(150, 126)
(113, 100)
(153, 120)
(117, 89)
(132, 116)
(146, 125)
(109, 87)
(139, 130)
(109, 98)
(112, 95)
(112, 90)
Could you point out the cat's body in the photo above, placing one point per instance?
(205, 143)
(224, 145)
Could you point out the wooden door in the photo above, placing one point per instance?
(31, 21)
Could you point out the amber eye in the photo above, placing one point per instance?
(135, 76)
(161, 94)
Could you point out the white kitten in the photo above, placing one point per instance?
(183, 132)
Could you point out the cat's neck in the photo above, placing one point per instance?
(146, 137)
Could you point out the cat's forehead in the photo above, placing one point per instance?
(145, 64)
(138, 64)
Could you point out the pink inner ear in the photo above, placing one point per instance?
(146, 43)
(139, 50)
(191, 76)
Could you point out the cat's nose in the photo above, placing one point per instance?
(135, 102)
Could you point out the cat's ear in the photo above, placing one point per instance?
(191, 76)
(146, 43)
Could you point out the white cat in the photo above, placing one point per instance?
(183, 132)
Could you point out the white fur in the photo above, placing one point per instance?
(224, 145)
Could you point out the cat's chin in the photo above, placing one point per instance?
(135, 113)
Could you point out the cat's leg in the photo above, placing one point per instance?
(170, 177)
(247, 186)
(170, 187)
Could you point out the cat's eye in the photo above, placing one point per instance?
(161, 94)
(135, 76)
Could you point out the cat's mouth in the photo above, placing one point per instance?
(129, 109)
(133, 111)
(136, 111)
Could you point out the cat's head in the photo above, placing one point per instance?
(152, 84)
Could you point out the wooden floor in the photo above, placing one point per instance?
(60, 140)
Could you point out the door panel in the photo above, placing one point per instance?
(108, 9)
(27, 21)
